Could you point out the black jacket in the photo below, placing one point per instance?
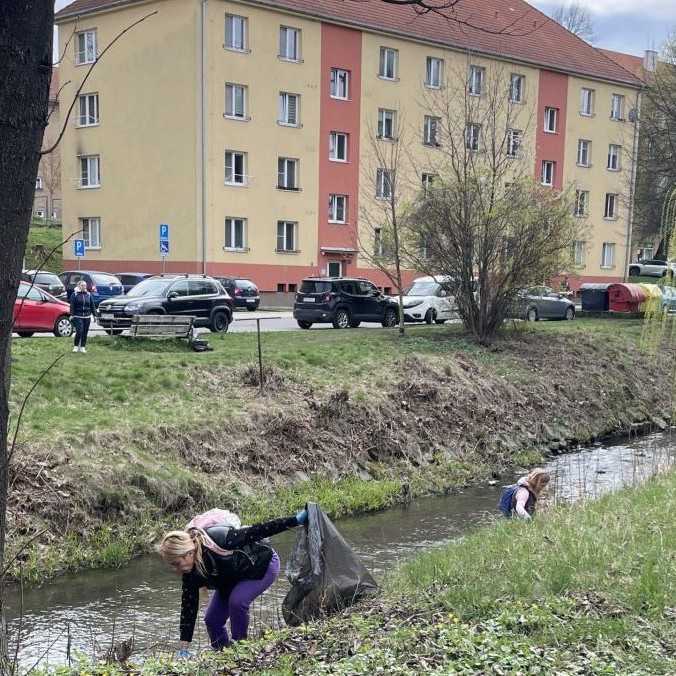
(249, 561)
(82, 304)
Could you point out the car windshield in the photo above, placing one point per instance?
(245, 284)
(423, 289)
(105, 280)
(309, 286)
(46, 278)
(150, 287)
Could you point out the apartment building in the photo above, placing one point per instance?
(248, 127)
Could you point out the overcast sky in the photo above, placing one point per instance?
(624, 25)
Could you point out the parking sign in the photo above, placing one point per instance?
(79, 247)
(164, 240)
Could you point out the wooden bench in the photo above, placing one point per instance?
(161, 326)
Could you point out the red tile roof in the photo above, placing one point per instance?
(508, 28)
(634, 64)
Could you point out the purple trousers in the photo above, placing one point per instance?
(236, 607)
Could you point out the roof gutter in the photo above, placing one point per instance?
(632, 187)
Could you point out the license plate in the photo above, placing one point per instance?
(250, 300)
(308, 300)
(106, 315)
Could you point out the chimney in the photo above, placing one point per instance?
(650, 60)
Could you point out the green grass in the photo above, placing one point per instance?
(48, 238)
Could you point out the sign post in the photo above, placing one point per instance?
(164, 244)
(79, 250)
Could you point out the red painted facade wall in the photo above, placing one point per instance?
(552, 93)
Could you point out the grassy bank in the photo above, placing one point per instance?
(41, 240)
(580, 590)
(130, 438)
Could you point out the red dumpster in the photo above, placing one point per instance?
(625, 297)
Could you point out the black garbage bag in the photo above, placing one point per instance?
(324, 572)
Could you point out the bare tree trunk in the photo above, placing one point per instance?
(25, 73)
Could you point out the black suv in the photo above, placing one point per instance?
(344, 302)
(242, 291)
(191, 295)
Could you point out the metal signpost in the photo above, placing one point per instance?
(79, 250)
(260, 351)
(164, 244)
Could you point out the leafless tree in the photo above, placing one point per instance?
(576, 18)
(486, 223)
(50, 171)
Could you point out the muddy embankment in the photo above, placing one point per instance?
(432, 422)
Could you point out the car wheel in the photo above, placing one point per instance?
(391, 318)
(354, 324)
(634, 272)
(664, 274)
(341, 320)
(114, 332)
(304, 324)
(570, 313)
(25, 334)
(63, 327)
(219, 322)
(430, 316)
(251, 308)
(531, 315)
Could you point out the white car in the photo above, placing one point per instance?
(648, 268)
(430, 299)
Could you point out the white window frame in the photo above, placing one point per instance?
(586, 102)
(434, 72)
(339, 87)
(86, 224)
(473, 137)
(285, 237)
(643, 253)
(431, 130)
(551, 116)
(378, 248)
(384, 183)
(389, 57)
(515, 88)
(614, 157)
(428, 180)
(230, 232)
(579, 253)
(514, 141)
(284, 108)
(230, 21)
(334, 145)
(89, 103)
(290, 42)
(610, 206)
(89, 52)
(385, 114)
(231, 89)
(232, 180)
(39, 213)
(283, 173)
(338, 204)
(475, 85)
(608, 255)
(584, 153)
(547, 173)
(38, 183)
(581, 208)
(617, 107)
(340, 268)
(87, 162)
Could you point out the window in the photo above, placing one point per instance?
(586, 101)
(338, 208)
(610, 208)
(547, 176)
(617, 107)
(378, 249)
(287, 173)
(91, 232)
(388, 63)
(40, 213)
(476, 80)
(235, 168)
(581, 203)
(235, 234)
(431, 131)
(578, 253)
(281, 288)
(472, 136)
(338, 146)
(286, 235)
(235, 32)
(386, 123)
(614, 153)
(428, 181)
(551, 119)
(516, 86)
(583, 153)
(289, 43)
(433, 72)
(85, 47)
(89, 110)
(289, 105)
(608, 255)
(38, 183)
(645, 253)
(90, 174)
(335, 269)
(514, 138)
(340, 83)
(384, 183)
(292, 288)
(235, 101)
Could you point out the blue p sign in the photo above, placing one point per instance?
(79, 247)
(164, 232)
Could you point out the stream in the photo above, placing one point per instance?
(88, 612)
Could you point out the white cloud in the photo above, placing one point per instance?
(663, 9)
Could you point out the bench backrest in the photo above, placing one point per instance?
(161, 326)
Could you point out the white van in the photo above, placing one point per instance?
(430, 299)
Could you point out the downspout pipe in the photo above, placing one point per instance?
(203, 124)
(632, 187)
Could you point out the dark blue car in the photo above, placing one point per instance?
(101, 285)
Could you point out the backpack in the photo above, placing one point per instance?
(214, 517)
(507, 499)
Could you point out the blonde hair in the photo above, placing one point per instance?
(80, 284)
(537, 480)
(178, 543)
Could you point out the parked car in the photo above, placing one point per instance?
(36, 310)
(649, 268)
(131, 279)
(429, 299)
(541, 302)
(243, 292)
(669, 298)
(101, 285)
(47, 281)
(191, 295)
(344, 302)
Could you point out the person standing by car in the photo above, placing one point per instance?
(231, 561)
(81, 310)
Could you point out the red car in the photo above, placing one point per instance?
(35, 310)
